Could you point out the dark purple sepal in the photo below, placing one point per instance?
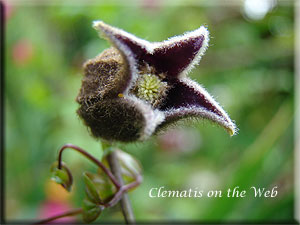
(183, 95)
(186, 98)
(171, 57)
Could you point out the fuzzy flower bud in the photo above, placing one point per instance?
(136, 88)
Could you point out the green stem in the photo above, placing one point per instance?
(124, 202)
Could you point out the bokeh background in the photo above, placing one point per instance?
(248, 68)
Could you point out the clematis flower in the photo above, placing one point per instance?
(137, 88)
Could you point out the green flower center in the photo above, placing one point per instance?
(150, 88)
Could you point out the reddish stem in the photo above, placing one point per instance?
(90, 157)
(65, 214)
(122, 190)
(111, 203)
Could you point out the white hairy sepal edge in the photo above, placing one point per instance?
(152, 117)
(110, 31)
(223, 120)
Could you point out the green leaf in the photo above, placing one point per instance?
(90, 188)
(61, 176)
(91, 211)
(104, 187)
(87, 204)
(130, 167)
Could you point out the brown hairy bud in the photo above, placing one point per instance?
(104, 77)
(113, 119)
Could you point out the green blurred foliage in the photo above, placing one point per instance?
(248, 68)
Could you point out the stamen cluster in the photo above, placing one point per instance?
(150, 88)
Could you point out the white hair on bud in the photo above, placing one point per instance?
(110, 32)
(153, 117)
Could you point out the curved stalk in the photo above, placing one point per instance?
(116, 178)
(90, 157)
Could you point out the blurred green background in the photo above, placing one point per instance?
(248, 68)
